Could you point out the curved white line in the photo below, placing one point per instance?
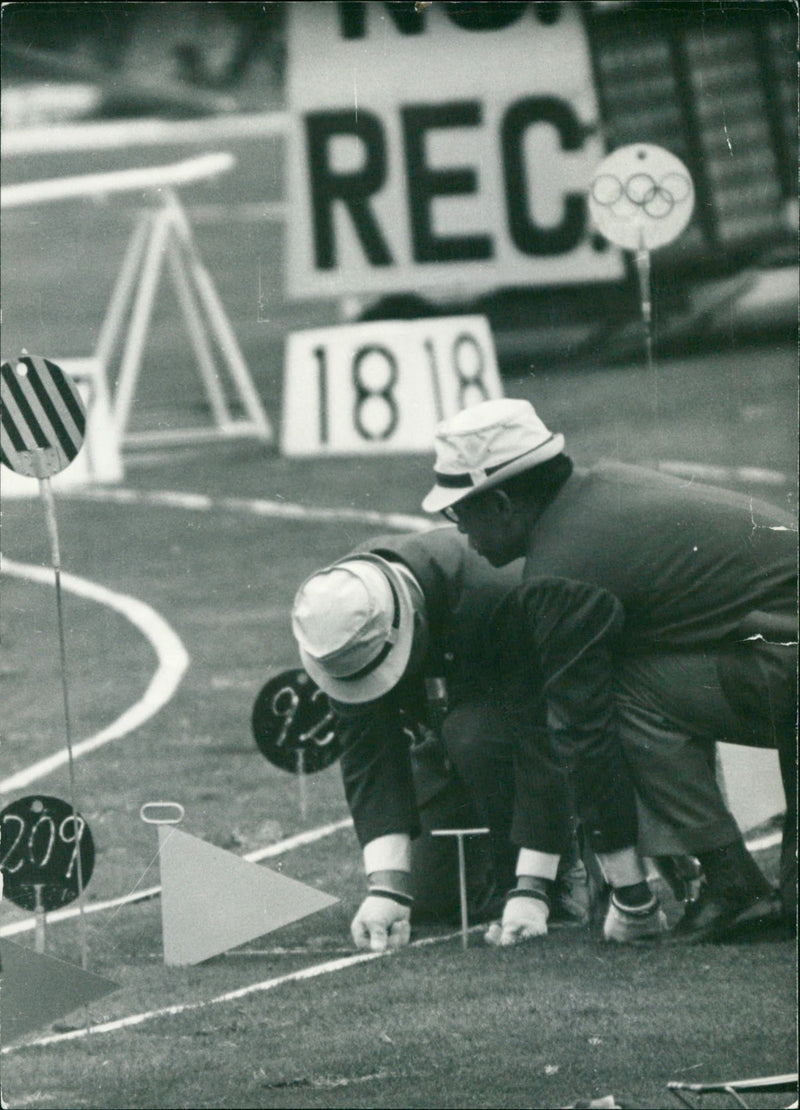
(173, 659)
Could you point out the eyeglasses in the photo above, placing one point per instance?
(468, 509)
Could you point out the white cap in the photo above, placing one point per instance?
(354, 626)
(483, 445)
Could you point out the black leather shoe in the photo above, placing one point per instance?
(714, 918)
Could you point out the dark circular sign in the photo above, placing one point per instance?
(293, 724)
(41, 845)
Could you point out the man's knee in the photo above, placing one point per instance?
(474, 737)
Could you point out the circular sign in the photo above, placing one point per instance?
(641, 197)
(293, 724)
(41, 844)
(42, 415)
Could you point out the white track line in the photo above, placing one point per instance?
(285, 510)
(277, 849)
(172, 656)
(312, 972)
(706, 473)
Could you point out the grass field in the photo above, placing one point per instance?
(430, 1027)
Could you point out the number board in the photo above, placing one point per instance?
(293, 724)
(40, 847)
(382, 387)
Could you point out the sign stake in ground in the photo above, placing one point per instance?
(462, 873)
(41, 919)
(42, 429)
(641, 198)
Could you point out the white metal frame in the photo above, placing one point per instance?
(163, 233)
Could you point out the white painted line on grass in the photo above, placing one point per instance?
(304, 973)
(277, 849)
(284, 510)
(707, 473)
(172, 656)
(299, 840)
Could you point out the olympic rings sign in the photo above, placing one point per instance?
(641, 197)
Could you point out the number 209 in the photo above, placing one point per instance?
(43, 836)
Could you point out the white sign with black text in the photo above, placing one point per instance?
(441, 145)
(381, 387)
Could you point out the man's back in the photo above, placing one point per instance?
(689, 562)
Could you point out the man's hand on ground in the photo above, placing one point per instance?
(381, 923)
(524, 917)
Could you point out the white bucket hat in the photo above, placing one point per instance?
(483, 445)
(354, 626)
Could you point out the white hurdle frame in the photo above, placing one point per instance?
(163, 232)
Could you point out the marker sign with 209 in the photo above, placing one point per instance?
(41, 840)
(382, 386)
(293, 724)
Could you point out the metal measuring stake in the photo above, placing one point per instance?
(460, 834)
(302, 792)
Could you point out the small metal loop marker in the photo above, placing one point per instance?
(462, 872)
(148, 820)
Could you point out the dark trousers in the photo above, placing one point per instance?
(673, 708)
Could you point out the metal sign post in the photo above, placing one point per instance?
(41, 919)
(43, 426)
(641, 198)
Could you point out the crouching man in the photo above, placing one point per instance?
(662, 618)
(441, 725)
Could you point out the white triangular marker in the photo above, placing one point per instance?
(213, 900)
(37, 989)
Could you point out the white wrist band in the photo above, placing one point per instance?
(542, 865)
(388, 853)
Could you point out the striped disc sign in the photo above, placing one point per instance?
(42, 416)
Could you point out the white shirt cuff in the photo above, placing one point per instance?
(388, 853)
(542, 865)
(622, 868)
